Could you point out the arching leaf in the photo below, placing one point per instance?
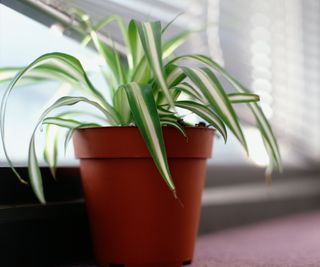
(146, 117)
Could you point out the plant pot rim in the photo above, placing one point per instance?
(135, 127)
(127, 142)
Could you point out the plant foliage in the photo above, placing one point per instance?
(145, 90)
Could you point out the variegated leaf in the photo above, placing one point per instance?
(36, 178)
(150, 36)
(175, 75)
(172, 44)
(50, 152)
(134, 44)
(206, 114)
(146, 117)
(243, 98)
(34, 172)
(172, 121)
(191, 91)
(211, 88)
(261, 120)
(121, 105)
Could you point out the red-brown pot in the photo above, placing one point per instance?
(135, 220)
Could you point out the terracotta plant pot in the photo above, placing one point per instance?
(135, 219)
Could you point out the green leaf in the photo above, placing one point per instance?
(162, 100)
(36, 178)
(265, 128)
(134, 43)
(120, 68)
(172, 44)
(175, 75)
(164, 112)
(206, 114)
(261, 120)
(267, 135)
(109, 54)
(38, 74)
(105, 22)
(68, 123)
(243, 98)
(142, 73)
(150, 36)
(146, 117)
(33, 166)
(121, 104)
(34, 172)
(69, 66)
(67, 139)
(166, 27)
(191, 91)
(111, 57)
(211, 88)
(8, 73)
(52, 134)
(194, 57)
(123, 29)
(50, 152)
(172, 121)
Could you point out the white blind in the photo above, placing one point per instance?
(273, 46)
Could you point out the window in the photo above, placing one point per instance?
(27, 103)
(22, 41)
(272, 46)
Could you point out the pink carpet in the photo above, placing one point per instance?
(289, 242)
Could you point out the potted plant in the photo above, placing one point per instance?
(142, 164)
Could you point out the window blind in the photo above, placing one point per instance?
(273, 46)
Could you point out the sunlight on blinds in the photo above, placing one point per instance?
(281, 39)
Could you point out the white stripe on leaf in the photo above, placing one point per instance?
(145, 113)
(150, 35)
(206, 114)
(34, 172)
(214, 93)
(262, 122)
(243, 97)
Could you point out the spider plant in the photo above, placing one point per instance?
(147, 86)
